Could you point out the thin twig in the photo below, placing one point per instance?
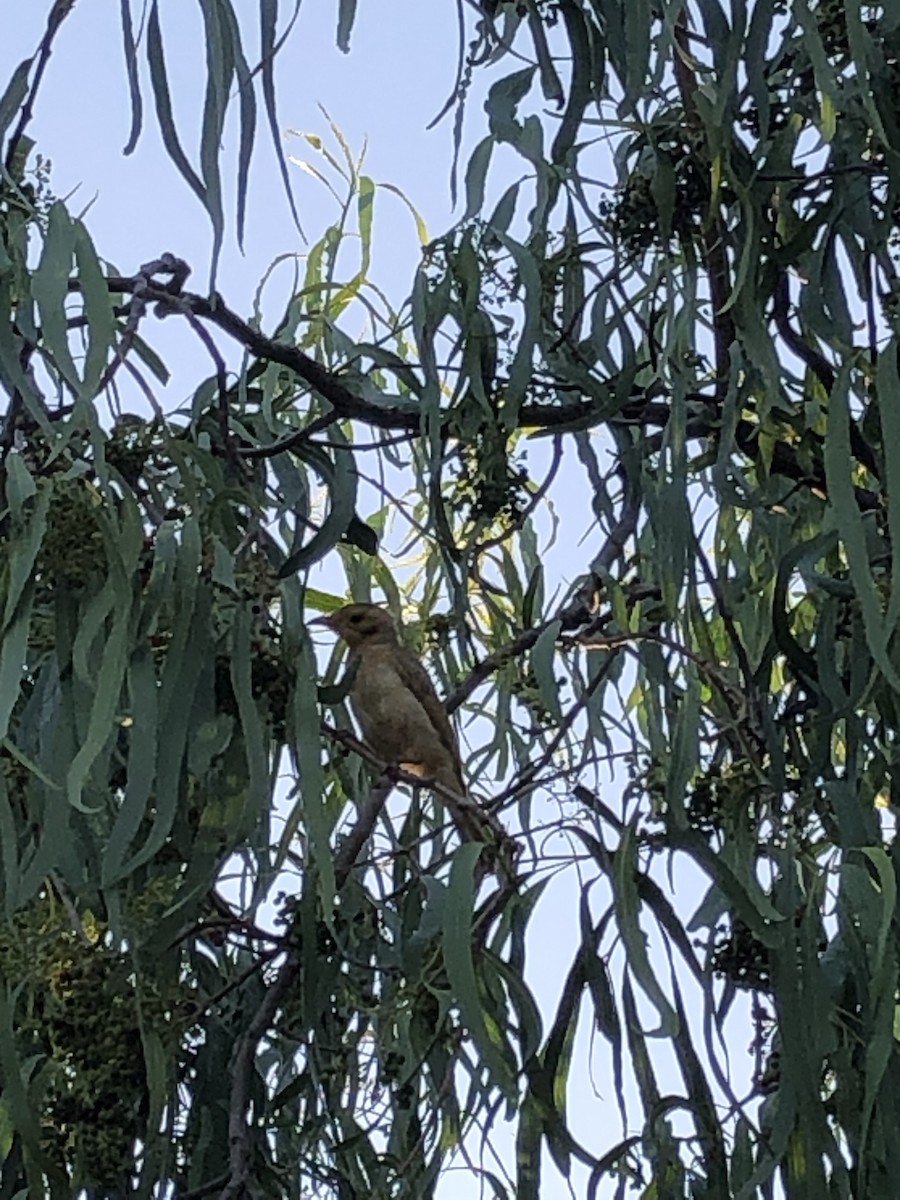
(470, 817)
(243, 1068)
(222, 408)
(527, 778)
(351, 846)
(136, 311)
(294, 439)
(58, 14)
(234, 984)
(820, 367)
(571, 616)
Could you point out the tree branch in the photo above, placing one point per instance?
(170, 298)
(57, 15)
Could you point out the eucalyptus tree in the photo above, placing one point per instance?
(625, 464)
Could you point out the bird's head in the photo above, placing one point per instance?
(360, 623)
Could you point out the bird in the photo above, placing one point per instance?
(401, 718)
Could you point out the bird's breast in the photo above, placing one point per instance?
(392, 719)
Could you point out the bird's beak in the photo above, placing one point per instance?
(327, 620)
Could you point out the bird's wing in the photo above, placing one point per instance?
(417, 679)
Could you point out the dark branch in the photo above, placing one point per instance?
(58, 14)
(403, 416)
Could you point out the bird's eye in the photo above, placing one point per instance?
(356, 618)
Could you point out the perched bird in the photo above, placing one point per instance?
(396, 705)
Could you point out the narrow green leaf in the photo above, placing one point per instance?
(503, 101)
(476, 173)
(585, 78)
(640, 1060)
(256, 795)
(107, 696)
(627, 914)
(184, 663)
(12, 354)
(365, 211)
(160, 83)
(9, 856)
(685, 746)
(29, 526)
(13, 650)
(14, 95)
(142, 750)
(156, 1068)
(20, 1106)
(543, 662)
(528, 1024)
(361, 535)
(421, 227)
(15, 752)
(457, 942)
(346, 17)
(700, 1098)
(219, 74)
(339, 473)
(269, 46)
(129, 44)
(98, 309)
(50, 289)
(887, 880)
(862, 50)
(638, 23)
(528, 1151)
(741, 1153)
(888, 389)
(247, 102)
(522, 367)
(842, 498)
(307, 748)
(502, 216)
(662, 188)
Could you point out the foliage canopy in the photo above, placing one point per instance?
(683, 295)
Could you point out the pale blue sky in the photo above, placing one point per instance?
(388, 87)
